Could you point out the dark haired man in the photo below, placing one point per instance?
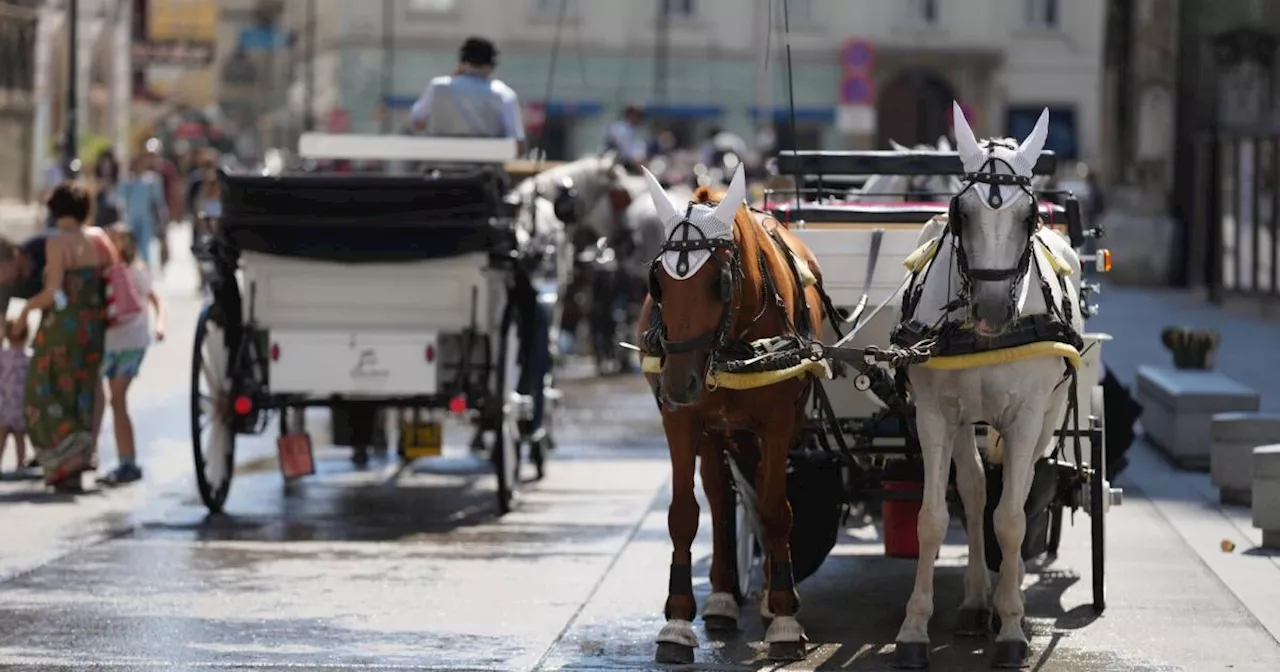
(470, 103)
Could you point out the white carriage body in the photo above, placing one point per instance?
(844, 250)
(374, 329)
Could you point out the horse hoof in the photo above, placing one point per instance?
(911, 656)
(670, 653)
(790, 651)
(1011, 655)
(720, 623)
(973, 623)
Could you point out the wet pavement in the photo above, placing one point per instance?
(409, 568)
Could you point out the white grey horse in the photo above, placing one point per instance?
(592, 179)
(1023, 400)
(895, 188)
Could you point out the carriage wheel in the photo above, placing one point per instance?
(212, 438)
(505, 452)
(1098, 490)
(748, 547)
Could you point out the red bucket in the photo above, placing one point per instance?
(899, 517)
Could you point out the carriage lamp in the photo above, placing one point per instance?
(243, 405)
(458, 405)
(275, 352)
(1102, 261)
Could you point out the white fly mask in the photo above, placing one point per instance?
(697, 222)
(999, 157)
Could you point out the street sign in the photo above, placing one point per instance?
(856, 119)
(858, 55)
(193, 54)
(857, 89)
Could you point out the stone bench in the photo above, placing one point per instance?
(1235, 435)
(1178, 408)
(1266, 494)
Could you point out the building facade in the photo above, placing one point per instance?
(698, 64)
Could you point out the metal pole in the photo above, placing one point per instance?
(70, 151)
(309, 99)
(660, 49)
(388, 61)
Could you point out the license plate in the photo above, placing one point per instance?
(425, 439)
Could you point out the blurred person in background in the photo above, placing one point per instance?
(62, 381)
(52, 174)
(106, 177)
(470, 103)
(14, 362)
(125, 347)
(170, 184)
(145, 207)
(627, 139)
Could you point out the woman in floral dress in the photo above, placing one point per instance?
(63, 375)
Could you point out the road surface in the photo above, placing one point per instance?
(389, 569)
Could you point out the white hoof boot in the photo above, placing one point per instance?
(676, 643)
(721, 612)
(785, 638)
(784, 629)
(678, 632)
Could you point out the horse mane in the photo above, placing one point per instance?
(548, 178)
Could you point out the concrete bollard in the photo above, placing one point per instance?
(1178, 409)
(1266, 494)
(1234, 436)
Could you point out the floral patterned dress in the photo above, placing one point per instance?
(63, 377)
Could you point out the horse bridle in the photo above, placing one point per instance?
(723, 289)
(987, 174)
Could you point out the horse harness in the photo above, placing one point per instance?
(954, 337)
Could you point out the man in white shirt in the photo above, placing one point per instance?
(470, 103)
(625, 138)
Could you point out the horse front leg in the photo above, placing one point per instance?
(722, 610)
(677, 640)
(937, 436)
(1023, 440)
(785, 636)
(974, 619)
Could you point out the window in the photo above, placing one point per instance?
(1042, 13)
(925, 11)
(799, 12)
(431, 6)
(551, 8)
(677, 9)
(1062, 140)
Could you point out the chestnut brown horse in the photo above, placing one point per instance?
(723, 278)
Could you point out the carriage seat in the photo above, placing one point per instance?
(1179, 406)
(366, 218)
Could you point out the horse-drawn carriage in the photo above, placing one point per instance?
(420, 293)
(987, 326)
(862, 439)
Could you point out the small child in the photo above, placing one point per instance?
(125, 347)
(14, 360)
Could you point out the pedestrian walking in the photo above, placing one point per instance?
(145, 206)
(14, 360)
(126, 345)
(63, 378)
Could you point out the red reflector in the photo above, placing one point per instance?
(275, 352)
(431, 353)
(243, 405)
(458, 404)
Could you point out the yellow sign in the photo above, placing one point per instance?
(174, 21)
(423, 439)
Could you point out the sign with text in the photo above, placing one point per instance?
(193, 54)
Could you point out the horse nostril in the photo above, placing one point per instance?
(691, 384)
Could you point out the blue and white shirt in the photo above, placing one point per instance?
(468, 105)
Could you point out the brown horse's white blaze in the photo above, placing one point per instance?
(721, 287)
